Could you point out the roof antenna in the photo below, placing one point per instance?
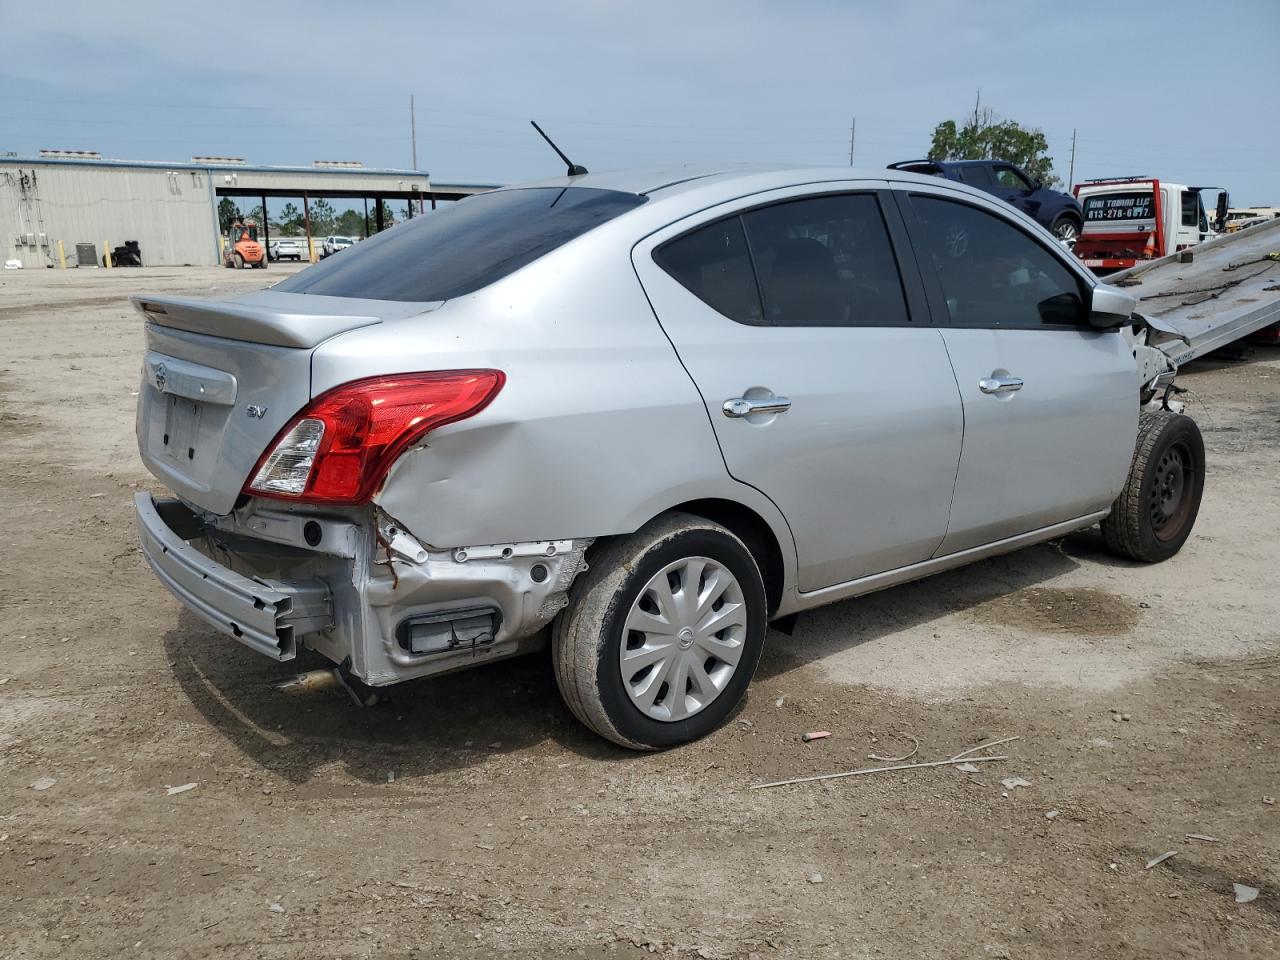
(574, 169)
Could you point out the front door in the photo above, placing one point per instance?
(1050, 404)
(1014, 188)
(826, 387)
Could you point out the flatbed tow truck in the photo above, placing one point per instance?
(1208, 296)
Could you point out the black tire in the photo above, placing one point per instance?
(1066, 227)
(1156, 510)
(237, 261)
(588, 634)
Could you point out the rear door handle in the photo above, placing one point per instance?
(740, 407)
(999, 385)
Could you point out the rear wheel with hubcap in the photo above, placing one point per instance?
(1154, 514)
(662, 634)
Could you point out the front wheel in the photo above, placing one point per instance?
(238, 262)
(1066, 229)
(662, 634)
(1154, 514)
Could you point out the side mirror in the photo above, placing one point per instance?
(1110, 307)
(1037, 184)
(1066, 309)
(1223, 202)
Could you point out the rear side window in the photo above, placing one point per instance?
(457, 251)
(975, 176)
(993, 274)
(817, 262)
(712, 263)
(826, 262)
(1107, 207)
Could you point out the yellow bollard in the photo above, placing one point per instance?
(62, 255)
(106, 254)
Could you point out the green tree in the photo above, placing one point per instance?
(985, 136)
(322, 217)
(350, 223)
(290, 219)
(228, 213)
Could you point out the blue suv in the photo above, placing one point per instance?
(1059, 212)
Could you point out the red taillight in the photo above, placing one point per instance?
(339, 448)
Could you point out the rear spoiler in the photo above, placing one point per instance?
(265, 318)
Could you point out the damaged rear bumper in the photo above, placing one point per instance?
(356, 587)
(266, 615)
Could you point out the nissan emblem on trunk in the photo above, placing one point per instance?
(161, 375)
(255, 411)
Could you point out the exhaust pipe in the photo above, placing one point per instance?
(362, 695)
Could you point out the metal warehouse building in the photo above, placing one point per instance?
(58, 204)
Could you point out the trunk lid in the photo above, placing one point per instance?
(220, 378)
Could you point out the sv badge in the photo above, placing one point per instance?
(255, 412)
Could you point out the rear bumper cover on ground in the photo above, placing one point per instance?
(266, 615)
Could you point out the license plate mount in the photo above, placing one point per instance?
(181, 429)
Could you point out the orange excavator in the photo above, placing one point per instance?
(242, 248)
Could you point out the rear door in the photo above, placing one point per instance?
(1050, 404)
(826, 386)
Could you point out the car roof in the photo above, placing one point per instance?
(664, 182)
(678, 191)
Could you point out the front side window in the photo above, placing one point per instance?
(826, 262)
(993, 274)
(1191, 212)
(1011, 179)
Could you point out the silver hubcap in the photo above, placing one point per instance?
(683, 638)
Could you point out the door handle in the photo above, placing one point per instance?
(740, 407)
(999, 385)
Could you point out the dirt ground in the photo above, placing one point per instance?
(472, 816)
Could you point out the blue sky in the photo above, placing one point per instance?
(1181, 90)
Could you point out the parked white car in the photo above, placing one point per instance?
(286, 249)
(653, 412)
(333, 244)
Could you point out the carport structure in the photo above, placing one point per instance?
(331, 180)
(67, 207)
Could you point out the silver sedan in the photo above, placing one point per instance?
(639, 416)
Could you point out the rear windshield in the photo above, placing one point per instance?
(1136, 205)
(459, 250)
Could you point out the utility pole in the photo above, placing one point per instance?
(1071, 176)
(413, 132)
(853, 129)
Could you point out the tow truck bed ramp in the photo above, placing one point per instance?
(1230, 289)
